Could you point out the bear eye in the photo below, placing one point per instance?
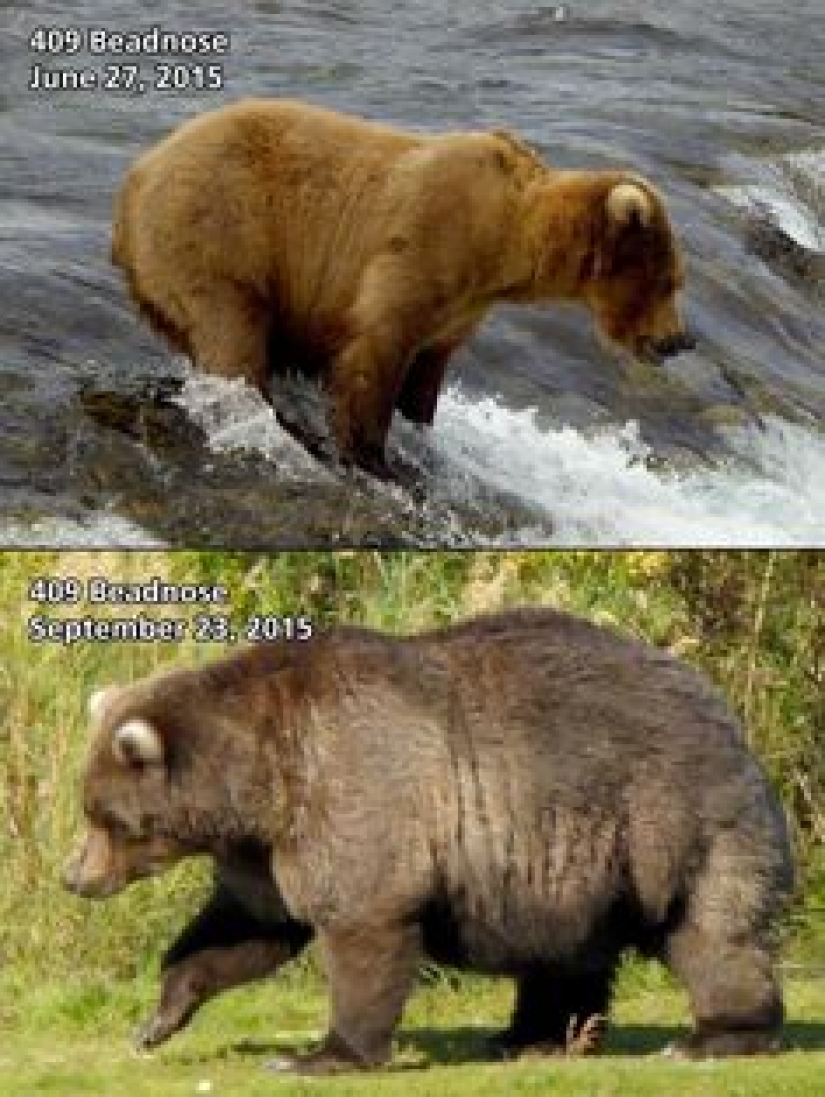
(115, 825)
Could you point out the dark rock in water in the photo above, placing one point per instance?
(147, 415)
(786, 256)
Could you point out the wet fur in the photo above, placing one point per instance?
(272, 235)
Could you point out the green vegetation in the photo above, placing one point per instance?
(73, 1039)
(75, 976)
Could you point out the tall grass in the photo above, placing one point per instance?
(753, 621)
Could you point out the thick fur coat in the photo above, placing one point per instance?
(272, 235)
(525, 794)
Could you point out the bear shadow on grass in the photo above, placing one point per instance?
(468, 1044)
(804, 1036)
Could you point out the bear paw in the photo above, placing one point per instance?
(332, 1056)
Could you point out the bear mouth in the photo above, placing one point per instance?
(660, 350)
(656, 352)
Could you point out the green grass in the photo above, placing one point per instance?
(74, 1038)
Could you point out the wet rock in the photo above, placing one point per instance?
(785, 256)
(137, 452)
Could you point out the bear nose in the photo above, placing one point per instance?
(673, 344)
(70, 876)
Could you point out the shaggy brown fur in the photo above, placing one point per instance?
(272, 234)
(245, 933)
(541, 791)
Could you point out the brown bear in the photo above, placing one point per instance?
(276, 235)
(542, 791)
(245, 932)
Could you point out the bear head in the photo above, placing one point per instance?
(126, 799)
(634, 271)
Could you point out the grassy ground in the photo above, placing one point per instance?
(74, 1038)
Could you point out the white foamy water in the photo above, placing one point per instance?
(789, 191)
(235, 417)
(96, 531)
(592, 489)
(599, 490)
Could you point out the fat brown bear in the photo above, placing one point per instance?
(272, 235)
(244, 932)
(542, 791)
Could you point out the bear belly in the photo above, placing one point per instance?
(500, 942)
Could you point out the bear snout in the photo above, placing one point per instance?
(655, 351)
(76, 881)
(669, 345)
(87, 872)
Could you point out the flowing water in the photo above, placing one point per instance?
(541, 436)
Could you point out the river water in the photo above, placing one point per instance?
(541, 437)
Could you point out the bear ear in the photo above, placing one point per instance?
(629, 205)
(100, 699)
(137, 742)
(518, 147)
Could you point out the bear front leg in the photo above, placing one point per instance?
(391, 318)
(418, 398)
(370, 971)
(419, 393)
(223, 947)
(187, 985)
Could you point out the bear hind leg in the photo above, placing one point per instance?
(228, 335)
(559, 1008)
(735, 999)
